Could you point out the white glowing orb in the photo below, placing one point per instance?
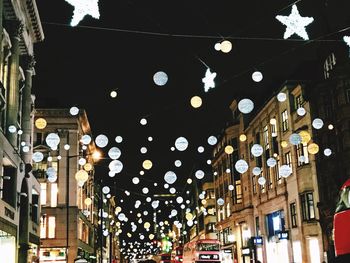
(295, 24)
(200, 149)
(52, 140)
(118, 139)
(271, 162)
(25, 148)
(295, 139)
(281, 97)
(208, 80)
(143, 150)
(196, 102)
(178, 163)
(179, 199)
(12, 129)
(257, 76)
(209, 162)
(189, 181)
(111, 174)
(101, 140)
(82, 161)
(115, 166)
(106, 189)
(173, 212)
(83, 8)
(261, 180)
(114, 153)
(226, 46)
(145, 190)
(347, 41)
(212, 140)
(38, 157)
(301, 111)
(285, 171)
(231, 187)
(150, 138)
(143, 121)
(199, 174)
(172, 190)
(135, 180)
(217, 46)
(74, 111)
(245, 106)
(317, 123)
(66, 147)
(170, 177)
(241, 166)
(181, 144)
(113, 94)
(220, 201)
(327, 152)
(257, 150)
(160, 78)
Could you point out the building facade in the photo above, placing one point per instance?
(67, 201)
(20, 28)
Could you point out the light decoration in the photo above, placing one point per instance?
(40, 123)
(228, 149)
(88, 201)
(347, 40)
(160, 78)
(226, 46)
(284, 144)
(257, 76)
(245, 106)
(196, 102)
(82, 176)
(113, 94)
(295, 24)
(83, 8)
(208, 80)
(147, 164)
(242, 137)
(313, 148)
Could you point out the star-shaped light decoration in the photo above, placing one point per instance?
(295, 24)
(208, 80)
(83, 8)
(347, 40)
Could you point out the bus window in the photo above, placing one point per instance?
(208, 247)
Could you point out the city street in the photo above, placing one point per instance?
(174, 132)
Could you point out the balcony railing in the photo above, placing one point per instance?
(2, 96)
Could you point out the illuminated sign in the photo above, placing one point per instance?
(209, 256)
(258, 240)
(245, 251)
(227, 251)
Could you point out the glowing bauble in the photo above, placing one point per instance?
(327, 152)
(190, 223)
(179, 199)
(261, 180)
(172, 190)
(199, 174)
(25, 148)
(257, 76)
(281, 97)
(170, 177)
(135, 180)
(285, 171)
(147, 164)
(178, 163)
(145, 190)
(196, 102)
(113, 94)
(295, 139)
(101, 140)
(226, 46)
(155, 204)
(220, 201)
(86, 139)
(200, 149)
(212, 140)
(115, 166)
(118, 139)
(217, 46)
(121, 217)
(147, 225)
(228, 149)
(189, 216)
(301, 111)
(151, 236)
(106, 190)
(81, 176)
(256, 170)
(317, 123)
(160, 78)
(305, 136)
(242, 137)
(88, 201)
(38, 157)
(241, 166)
(271, 162)
(82, 161)
(313, 148)
(189, 180)
(114, 153)
(66, 147)
(51, 172)
(257, 150)
(330, 127)
(284, 144)
(181, 144)
(40, 123)
(74, 111)
(143, 150)
(52, 140)
(111, 174)
(173, 212)
(245, 106)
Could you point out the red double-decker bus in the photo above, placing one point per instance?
(342, 224)
(202, 251)
(176, 255)
(165, 258)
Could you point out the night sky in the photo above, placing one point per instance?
(80, 66)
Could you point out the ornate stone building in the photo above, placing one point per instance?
(20, 28)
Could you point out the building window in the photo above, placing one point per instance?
(288, 159)
(328, 65)
(43, 197)
(273, 123)
(43, 225)
(293, 214)
(210, 194)
(302, 154)
(250, 152)
(257, 226)
(254, 184)
(210, 228)
(285, 121)
(35, 207)
(277, 172)
(237, 198)
(228, 210)
(51, 227)
(54, 192)
(266, 137)
(307, 206)
(299, 101)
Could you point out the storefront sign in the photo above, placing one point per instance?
(258, 240)
(283, 235)
(227, 251)
(246, 251)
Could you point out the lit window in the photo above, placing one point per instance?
(52, 227)
(43, 187)
(307, 206)
(299, 101)
(43, 223)
(54, 191)
(293, 214)
(285, 125)
(302, 154)
(288, 159)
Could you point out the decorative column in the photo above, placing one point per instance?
(1, 29)
(13, 89)
(27, 108)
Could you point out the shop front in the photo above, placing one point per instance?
(7, 247)
(52, 255)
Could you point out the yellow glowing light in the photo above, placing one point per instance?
(96, 155)
(284, 144)
(118, 209)
(166, 222)
(81, 176)
(228, 149)
(189, 216)
(40, 123)
(242, 137)
(330, 127)
(204, 202)
(151, 236)
(313, 148)
(273, 121)
(147, 164)
(305, 136)
(88, 167)
(196, 102)
(129, 235)
(88, 201)
(147, 225)
(226, 46)
(189, 181)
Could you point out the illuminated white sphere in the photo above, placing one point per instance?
(241, 166)
(101, 140)
(317, 123)
(200, 149)
(143, 121)
(281, 97)
(217, 46)
(231, 187)
(181, 144)
(301, 111)
(196, 102)
(118, 139)
(73, 111)
(166, 186)
(38, 157)
(178, 163)
(106, 190)
(261, 180)
(212, 140)
(66, 147)
(209, 162)
(160, 78)
(25, 148)
(327, 152)
(257, 76)
(199, 174)
(220, 201)
(114, 153)
(150, 138)
(113, 94)
(135, 180)
(145, 190)
(172, 190)
(245, 106)
(179, 199)
(226, 46)
(143, 150)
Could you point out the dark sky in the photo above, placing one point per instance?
(80, 66)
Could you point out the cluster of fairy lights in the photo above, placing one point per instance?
(295, 24)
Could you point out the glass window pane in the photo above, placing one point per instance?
(52, 227)
(54, 191)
